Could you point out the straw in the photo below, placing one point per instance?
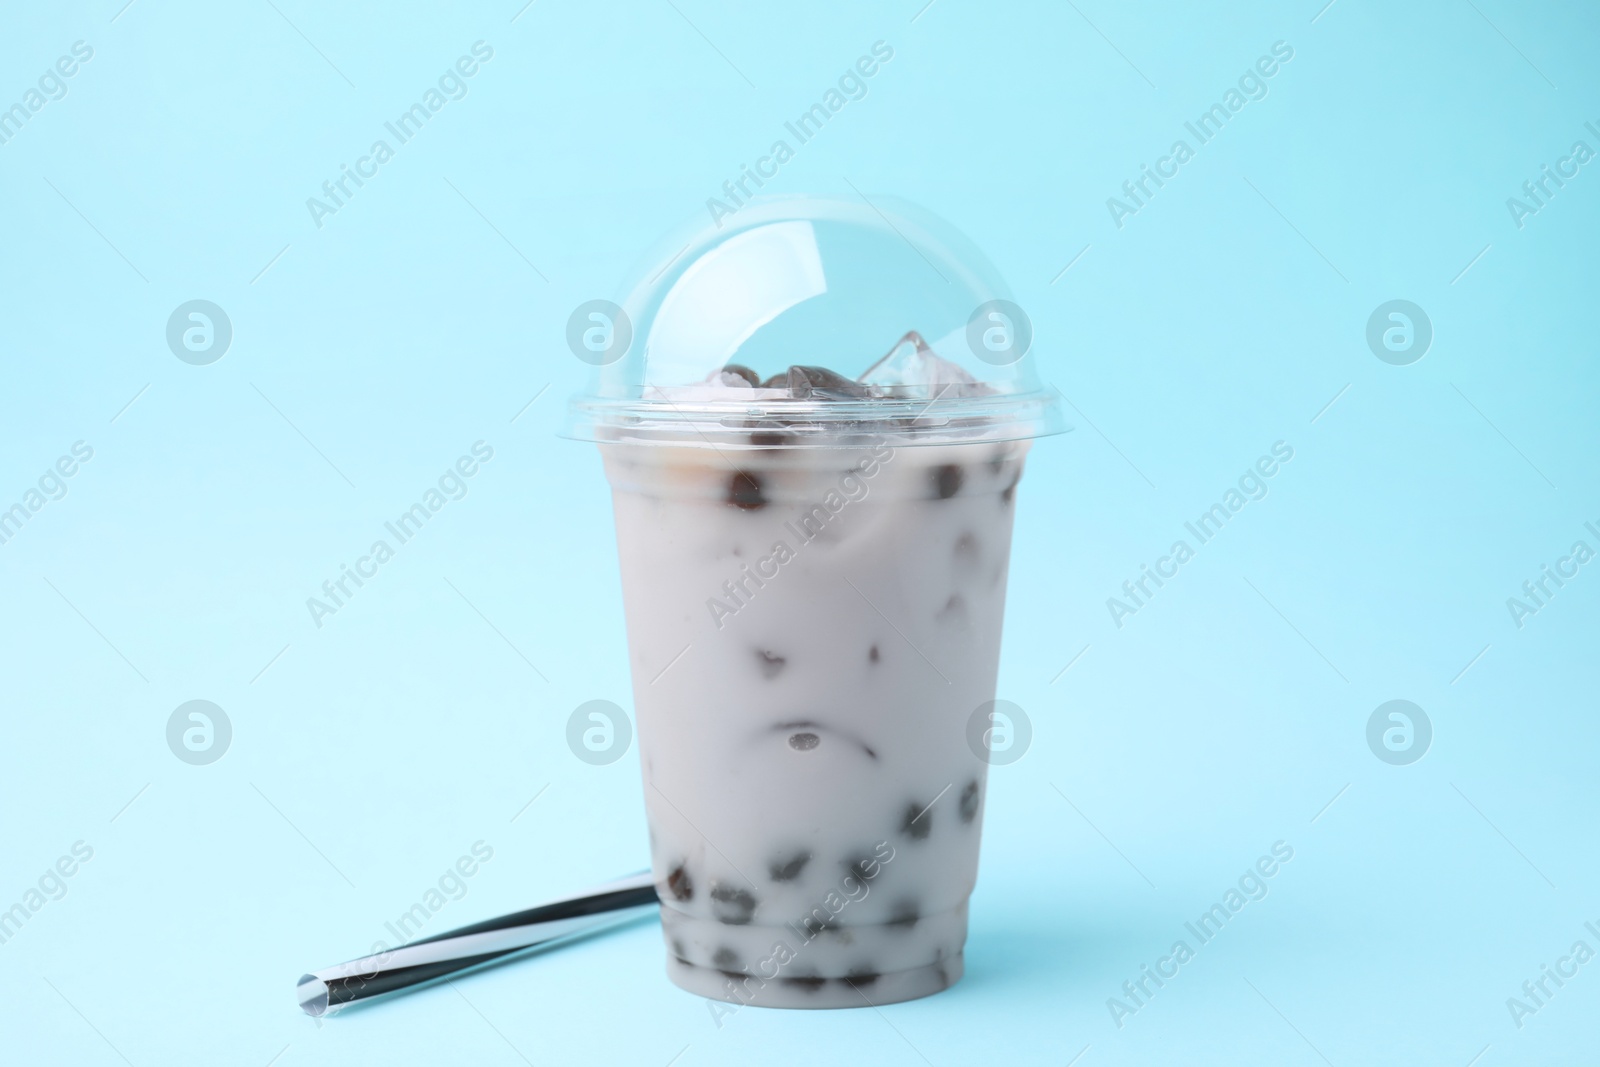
(332, 989)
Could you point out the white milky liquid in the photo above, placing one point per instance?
(813, 800)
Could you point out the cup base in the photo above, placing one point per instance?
(801, 992)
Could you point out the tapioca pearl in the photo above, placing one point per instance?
(1010, 491)
(954, 612)
(727, 960)
(904, 915)
(732, 904)
(788, 867)
(679, 884)
(917, 821)
(947, 479)
(679, 951)
(745, 491)
(804, 742)
(808, 982)
(770, 438)
(873, 655)
(969, 801)
(865, 865)
(860, 976)
(771, 663)
(966, 551)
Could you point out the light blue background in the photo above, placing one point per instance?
(427, 313)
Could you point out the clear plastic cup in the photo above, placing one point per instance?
(814, 571)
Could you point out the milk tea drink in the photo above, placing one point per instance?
(814, 573)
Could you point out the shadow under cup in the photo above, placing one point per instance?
(811, 630)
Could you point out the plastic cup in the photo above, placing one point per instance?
(814, 580)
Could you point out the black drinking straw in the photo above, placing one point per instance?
(333, 988)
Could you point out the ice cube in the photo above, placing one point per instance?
(912, 362)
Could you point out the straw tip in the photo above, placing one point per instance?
(313, 995)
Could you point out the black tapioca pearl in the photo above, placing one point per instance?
(904, 916)
(744, 491)
(804, 742)
(947, 480)
(954, 610)
(744, 372)
(966, 550)
(860, 976)
(787, 869)
(777, 381)
(770, 438)
(873, 655)
(864, 867)
(771, 663)
(731, 904)
(1010, 491)
(679, 951)
(679, 884)
(808, 982)
(917, 821)
(807, 381)
(726, 959)
(969, 801)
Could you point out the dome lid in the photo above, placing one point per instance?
(822, 318)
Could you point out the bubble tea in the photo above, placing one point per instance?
(814, 565)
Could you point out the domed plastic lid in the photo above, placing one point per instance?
(803, 321)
